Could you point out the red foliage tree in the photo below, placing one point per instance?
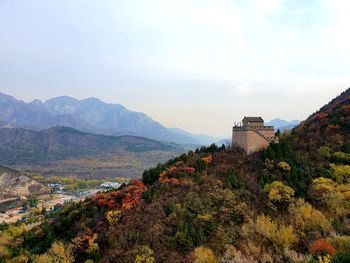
(321, 246)
(333, 127)
(345, 108)
(207, 159)
(323, 116)
(124, 199)
(168, 176)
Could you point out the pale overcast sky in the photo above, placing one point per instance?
(198, 65)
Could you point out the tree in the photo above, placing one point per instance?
(92, 244)
(278, 133)
(322, 186)
(4, 252)
(308, 219)
(341, 257)
(232, 179)
(279, 193)
(44, 258)
(279, 235)
(203, 255)
(146, 255)
(341, 243)
(114, 216)
(341, 172)
(324, 152)
(284, 166)
(57, 253)
(321, 246)
(341, 157)
(332, 194)
(33, 201)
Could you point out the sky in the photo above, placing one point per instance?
(194, 64)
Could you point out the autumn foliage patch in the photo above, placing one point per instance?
(207, 159)
(124, 199)
(168, 176)
(321, 246)
(346, 108)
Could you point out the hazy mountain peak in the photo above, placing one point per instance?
(36, 102)
(93, 99)
(62, 99)
(90, 115)
(5, 97)
(281, 124)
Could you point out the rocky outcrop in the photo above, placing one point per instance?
(16, 184)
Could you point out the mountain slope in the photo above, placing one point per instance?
(33, 115)
(329, 126)
(90, 115)
(20, 146)
(201, 138)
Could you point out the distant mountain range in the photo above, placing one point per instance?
(90, 115)
(283, 124)
(21, 146)
(95, 116)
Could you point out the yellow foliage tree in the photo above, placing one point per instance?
(284, 166)
(280, 236)
(44, 258)
(204, 255)
(19, 259)
(332, 194)
(11, 239)
(4, 252)
(57, 253)
(341, 243)
(321, 186)
(93, 246)
(146, 255)
(114, 216)
(278, 192)
(324, 259)
(306, 218)
(341, 172)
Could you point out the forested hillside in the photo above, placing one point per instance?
(288, 203)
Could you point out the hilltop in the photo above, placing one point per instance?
(288, 203)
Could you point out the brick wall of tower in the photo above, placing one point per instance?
(255, 142)
(239, 138)
(250, 141)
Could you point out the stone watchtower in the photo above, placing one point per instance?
(252, 135)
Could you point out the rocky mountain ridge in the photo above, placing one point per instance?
(90, 115)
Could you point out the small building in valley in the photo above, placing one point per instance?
(252, 135)
(110, 185)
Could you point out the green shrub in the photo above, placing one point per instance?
(324, 152)
(341, 243)
(341, 257)
(148, 195)
(200, 166)
(341, 157)
(232, 179)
